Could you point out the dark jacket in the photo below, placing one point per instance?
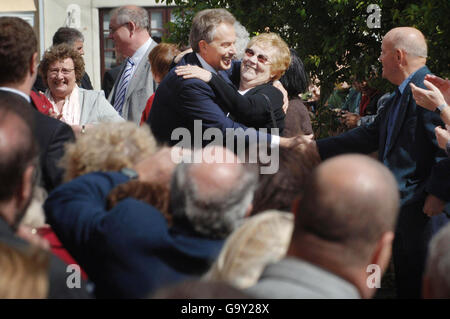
(129, 251)
(178, 102)
(413, 150)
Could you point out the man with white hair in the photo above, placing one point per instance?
(128, 28)
(404, 136)
(436, 281)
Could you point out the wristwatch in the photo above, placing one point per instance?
(440, 108)
(131, 173)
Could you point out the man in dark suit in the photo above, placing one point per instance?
(404, 136)
(18, 62)
(17, 173)
(179, 102)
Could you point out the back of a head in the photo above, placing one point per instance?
(410, 40)
(211, 199)
(438, 265)
(295, 80)
(350, 201)
(137, 15)
(260, 240)
(17, 143)
(278, 191)
(161, 58)
(196, 289)
(18, 44)
(107, 147)
(205, 23)
(23, 274)
(242, 39)
(67, 35)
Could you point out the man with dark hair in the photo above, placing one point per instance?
(344, 222)
(18, 62)
(75, 39)
(17, 173)
(132, 250)
(180, 102)
(129, 28)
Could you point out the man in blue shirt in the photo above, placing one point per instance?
(404, 136)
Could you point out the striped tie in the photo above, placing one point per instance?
(122, 86)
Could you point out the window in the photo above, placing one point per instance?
(159, 16)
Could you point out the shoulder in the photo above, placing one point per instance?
(267, 89)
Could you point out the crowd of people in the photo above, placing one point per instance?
(158, 190)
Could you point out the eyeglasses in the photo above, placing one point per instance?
(113, 30)
(54, 72)
(261, 58)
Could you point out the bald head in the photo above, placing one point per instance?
(350, 200)
(408, 39)
(214, 195)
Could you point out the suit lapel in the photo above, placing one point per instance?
(405, 104)
(142, 69)
(403, 107)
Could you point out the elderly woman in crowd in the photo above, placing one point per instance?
(61, 69)
(257, 103)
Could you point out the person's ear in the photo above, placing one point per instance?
(382, 252)
(295, 205)
(34, 63)
(202, 45)
(26, 188)
(132, 27)
(249, 210)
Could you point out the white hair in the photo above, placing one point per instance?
(242, 39)
(438, 264)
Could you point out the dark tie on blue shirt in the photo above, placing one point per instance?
(393, 113)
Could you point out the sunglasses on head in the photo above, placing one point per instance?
(261, 58)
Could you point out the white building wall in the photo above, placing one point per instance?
(55, 16)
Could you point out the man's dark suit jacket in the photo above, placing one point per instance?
(413, 150)
(51, 135)
(128, 251)
(178, 102)
(57, 272)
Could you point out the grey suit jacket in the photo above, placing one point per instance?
(140, 88)
(95, 108)
(293, 278)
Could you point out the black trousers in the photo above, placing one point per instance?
(413, 233)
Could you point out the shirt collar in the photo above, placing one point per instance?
(26, 97)
(205, 65)
(139, 54)
(402, 86)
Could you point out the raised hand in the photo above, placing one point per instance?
(193, 72)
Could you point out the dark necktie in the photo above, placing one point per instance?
(393, 113)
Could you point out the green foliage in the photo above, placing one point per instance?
(332, 36)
